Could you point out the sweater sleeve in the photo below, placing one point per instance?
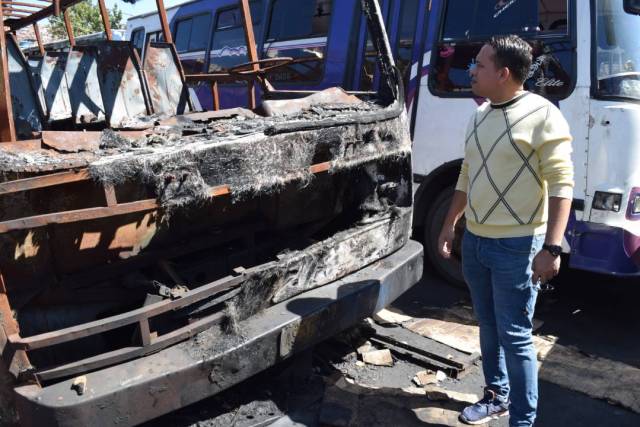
(554, 152)
(463, 177)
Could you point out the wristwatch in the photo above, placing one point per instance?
(554, 250)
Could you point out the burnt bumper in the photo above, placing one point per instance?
(145, 388)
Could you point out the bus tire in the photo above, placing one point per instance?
(448, 269)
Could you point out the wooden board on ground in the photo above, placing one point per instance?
(462, 337)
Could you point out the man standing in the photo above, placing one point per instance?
(515, 189)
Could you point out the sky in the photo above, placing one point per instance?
(141, 6)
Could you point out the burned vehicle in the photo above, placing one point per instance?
(152, 254)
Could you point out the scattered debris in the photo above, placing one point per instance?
(79, 384)
(365, 348)
(423, 378)
(389, 317)
(378, 358)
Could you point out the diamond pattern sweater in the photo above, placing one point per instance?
(517, 154)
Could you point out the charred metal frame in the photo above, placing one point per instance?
(13, 346)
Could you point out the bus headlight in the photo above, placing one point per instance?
(607, 201)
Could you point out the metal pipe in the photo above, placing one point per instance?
(251, 47)
(105, 19)
(19, 3)
(6, 8)
(16, 24)
(162, 13)
(36, 30)
(16, 14)
(7, 127)
(69, 27)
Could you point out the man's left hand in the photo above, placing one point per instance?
(545, 266)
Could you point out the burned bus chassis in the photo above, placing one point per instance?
(143, 270)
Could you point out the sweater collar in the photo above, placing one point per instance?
(511, 101)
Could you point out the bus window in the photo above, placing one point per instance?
(298, 29)
(199, 33)
(192, 33)
(137, 39)
(463, 34)
(406, 35)
(183, 32)
(155, 36)
(228, 45)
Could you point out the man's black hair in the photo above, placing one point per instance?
(514, 53)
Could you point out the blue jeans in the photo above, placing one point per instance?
(498, 272)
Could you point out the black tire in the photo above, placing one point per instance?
(451, 269)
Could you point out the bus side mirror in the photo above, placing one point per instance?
(632, 6)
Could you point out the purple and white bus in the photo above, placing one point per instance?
(587, 61)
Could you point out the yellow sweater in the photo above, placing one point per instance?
(517, 154)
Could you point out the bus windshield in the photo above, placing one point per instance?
(617, 58)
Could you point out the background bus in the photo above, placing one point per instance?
(586, 61)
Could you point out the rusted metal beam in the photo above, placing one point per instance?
(16, 24)
(72, 141)
(215, 77)
(36, 30)
(164, 23)
(77, 215)
(19, 3)
(251, 48)
(96, 212)
(43, 181)
(110, 195)
(129, 353)
(15, 359)
(88, 329)
(92, 213)
(12, 13)
(215, 96)
(6, 8)
(69, 27)
(105, 19)
(7, 127)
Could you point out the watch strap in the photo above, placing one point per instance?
(554, 250)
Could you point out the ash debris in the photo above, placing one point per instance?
(182, 169)
(112, 140)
